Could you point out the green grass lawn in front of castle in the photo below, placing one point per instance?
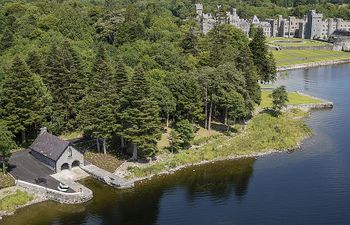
(293, 57)
(294, 42)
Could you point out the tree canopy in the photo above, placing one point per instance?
(120, 71)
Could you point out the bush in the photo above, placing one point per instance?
(185, 132)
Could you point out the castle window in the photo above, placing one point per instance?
(70, 153)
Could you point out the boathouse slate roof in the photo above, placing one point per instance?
(49, 145)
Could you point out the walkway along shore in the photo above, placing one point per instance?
(312, 64)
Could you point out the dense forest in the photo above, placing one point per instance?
(120, 71)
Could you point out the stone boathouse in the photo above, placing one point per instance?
(55, 153)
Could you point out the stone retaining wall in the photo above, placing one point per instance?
(67, 198)
(107, 177)
(324, 104)
(312, 64)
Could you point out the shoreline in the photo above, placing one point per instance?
(325, 104)
(36, 199)
(204, 162)
(124, 173)
(312, 64)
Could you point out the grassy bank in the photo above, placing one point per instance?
(293, 57)
(6, 181)
(14, 200)
(294, 42)
(107, 162)
(293, 97)
(263, 134)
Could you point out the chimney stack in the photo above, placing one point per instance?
(43, 130)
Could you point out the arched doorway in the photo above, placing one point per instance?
(65, 166)
(76, 163)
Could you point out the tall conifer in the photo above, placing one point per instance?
(96, 115)
(65, 79)
(141, 124)
(25, 101)
(261, 56)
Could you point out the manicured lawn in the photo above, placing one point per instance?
(6, 181)
(107, 162)
(284, 42)
(19, 198)
(293, 97)
(292, 57)
(263, 133)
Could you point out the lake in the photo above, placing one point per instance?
(307, 186)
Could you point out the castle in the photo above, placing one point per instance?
(311, 26)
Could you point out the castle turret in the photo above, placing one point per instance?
(199, 10)
(314, 25)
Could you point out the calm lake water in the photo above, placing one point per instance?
(308, 186)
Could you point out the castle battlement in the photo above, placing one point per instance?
(311, 26)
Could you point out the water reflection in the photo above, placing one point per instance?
(140, 206)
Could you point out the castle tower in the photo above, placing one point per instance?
(314, 25)
(199, 10)
(330, 27)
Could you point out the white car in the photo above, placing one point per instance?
(63, 187)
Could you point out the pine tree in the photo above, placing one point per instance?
(65, 79)
(75, 80)
(245, 63)
(121, 85)
(96, 116)
(141, 124)
(35, 63)
(186, 133)
(24, 99)
(261, 56)
(6, 145)
(121, 77)
(6, 40)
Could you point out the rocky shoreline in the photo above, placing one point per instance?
(312, 64)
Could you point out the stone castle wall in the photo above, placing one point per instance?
(311, 26)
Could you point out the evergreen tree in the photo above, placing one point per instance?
(175, 141)
(186, 133)
(121, 75)
(141, 124)
(121, 85)
(261, 57)
(65, 79)
(35, 63)
(24, 99)
(6, 40)
(6, 145)
(97, 117)
(189, 42)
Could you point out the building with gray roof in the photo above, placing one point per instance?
(55, 153)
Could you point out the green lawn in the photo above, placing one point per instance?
(286, 42)
(291, 57)
(293, 97)
(19, 198)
